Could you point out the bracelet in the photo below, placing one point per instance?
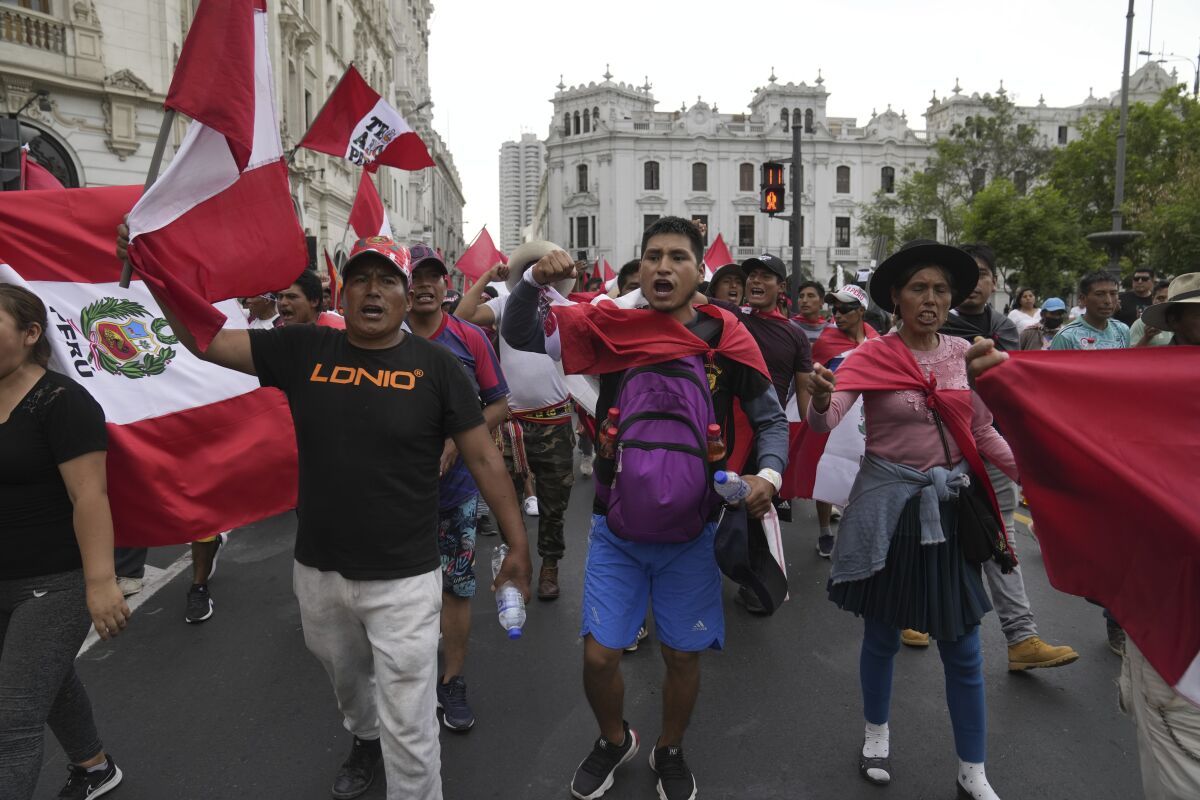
(772, 477)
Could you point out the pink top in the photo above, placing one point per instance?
(901, 429)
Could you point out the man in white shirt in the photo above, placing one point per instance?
(261, 312)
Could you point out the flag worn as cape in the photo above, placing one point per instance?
(193, 448)
(368, 216)
(1108, 448)
(219, 223)
(360, 126)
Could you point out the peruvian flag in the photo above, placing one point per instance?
(718, 255)
(220, 223)
(359, 126)
(1111, 480)
(481, 256)
(368, 216)
(193, 448)
(34, 175)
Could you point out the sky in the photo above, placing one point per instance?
(493, 66)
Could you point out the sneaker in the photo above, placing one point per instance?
(641, 637)
(486, 526)
(221, 539)
(1033, 653)
(199, 604)
(835, 514)
(129, 586)
(914, 638)
(594, 776)
(82, 784)
(675, 781)
(357, 772)
(452, 700)
(825, 545)
(1116, 637)
(585, 466)
(531, 506)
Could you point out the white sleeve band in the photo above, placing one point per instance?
(528, 278)
(772, 477)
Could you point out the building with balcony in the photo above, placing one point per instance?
(521, 167)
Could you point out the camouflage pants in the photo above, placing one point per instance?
(550, 450)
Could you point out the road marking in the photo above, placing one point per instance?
(154, 580)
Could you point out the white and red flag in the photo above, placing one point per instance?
(718, 255)
(220, 223)
(193, 448)
(368, 217)
(481, 256)
(359, 126)
(602, 271)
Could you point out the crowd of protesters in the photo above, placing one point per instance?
(699, 381)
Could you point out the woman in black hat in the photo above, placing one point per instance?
(898, 561)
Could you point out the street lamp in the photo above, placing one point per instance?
(41, 97)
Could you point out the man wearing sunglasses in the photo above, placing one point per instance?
(1134, 302)
(261, 311)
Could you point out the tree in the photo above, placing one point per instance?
(1037, 239)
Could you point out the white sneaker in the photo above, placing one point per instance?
(531, 506)
(585, 466)
(129, 586)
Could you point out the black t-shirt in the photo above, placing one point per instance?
(370, 427)
(727, 379)
(1132, 307)
(784, 345)
(55, 422)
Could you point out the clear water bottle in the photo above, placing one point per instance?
(730, 486)
(509, 602)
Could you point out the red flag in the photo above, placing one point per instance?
(602, 271)
(718, 255)
(216, 225)
(335, 284)
(34, 176)
(368, 217)
(1111, 480)
(481, 256)
(179, 429)
(358, 125)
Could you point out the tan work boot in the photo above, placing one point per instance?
(548, 580)
(1033, 653)
(914, 638)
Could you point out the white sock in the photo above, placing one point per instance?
(826, 530)
(875, 745)
(972, 778)
(103, 765)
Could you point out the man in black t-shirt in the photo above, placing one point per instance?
(372, 408)
(1133, 303)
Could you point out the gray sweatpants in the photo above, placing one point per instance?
(1008, 591)
(378, 643)
(42, 624)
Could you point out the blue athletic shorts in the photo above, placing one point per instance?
(621, 576)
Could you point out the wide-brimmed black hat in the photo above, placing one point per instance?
(964, 272)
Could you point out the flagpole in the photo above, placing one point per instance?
(317, 116)
(155, 164)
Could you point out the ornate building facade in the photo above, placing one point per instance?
(614, 164)
(106, 66)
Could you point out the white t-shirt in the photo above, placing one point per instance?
(257, 324)
(534, 380)
(1023, 320)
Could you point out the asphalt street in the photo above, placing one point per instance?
(237, 708)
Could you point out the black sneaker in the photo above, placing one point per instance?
(594, 776)
(825, 545)
(82, 784)
(641, 637)
(675, 781)
(199, 604)
(452, 700)
(358, 770)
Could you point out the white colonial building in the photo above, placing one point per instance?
(614, 164)
(521, 166)
(106, 66)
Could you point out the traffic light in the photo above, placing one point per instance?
(773, 188)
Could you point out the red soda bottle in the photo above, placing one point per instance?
(716, 445)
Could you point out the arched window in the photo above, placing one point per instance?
(587, 122)
(576, 122)
(699, 177)
(843, 180)
(650, 181)
(783, 120)
(581, 177)
(808, 120)
(595, 118)
(567, 123)
(746, 178)
(887, 180)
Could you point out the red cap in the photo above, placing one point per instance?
(384, 246)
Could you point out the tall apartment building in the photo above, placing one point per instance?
(521, 166)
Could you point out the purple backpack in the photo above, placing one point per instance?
(662, 482)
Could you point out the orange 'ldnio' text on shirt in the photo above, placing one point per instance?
(395, 379)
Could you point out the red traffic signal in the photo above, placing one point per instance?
(773, 188)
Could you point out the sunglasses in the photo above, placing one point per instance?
(846, 308)
(1141, 277)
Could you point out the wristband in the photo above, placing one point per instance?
(528, 278)
(772, 477)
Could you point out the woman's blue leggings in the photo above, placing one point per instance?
(963, 664)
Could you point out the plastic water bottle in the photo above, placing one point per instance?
(730, 486)
(509, 602)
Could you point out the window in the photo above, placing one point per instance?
(567, 123)
(746, 178)
(650, 219)
(1062, 134)
(808, 120)
(576, 126)
(595, 118)
(702, 219)
(887, 180)
(35, 5)
(650, 180)
(341, 33)
(1021, 181)
(929, 229)
(581, 178)
(843, 180)
(745, 230)
(308, 109)
(581, 227)
(783, 120)
(843, 231)
(328, 18)
(699, 177)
